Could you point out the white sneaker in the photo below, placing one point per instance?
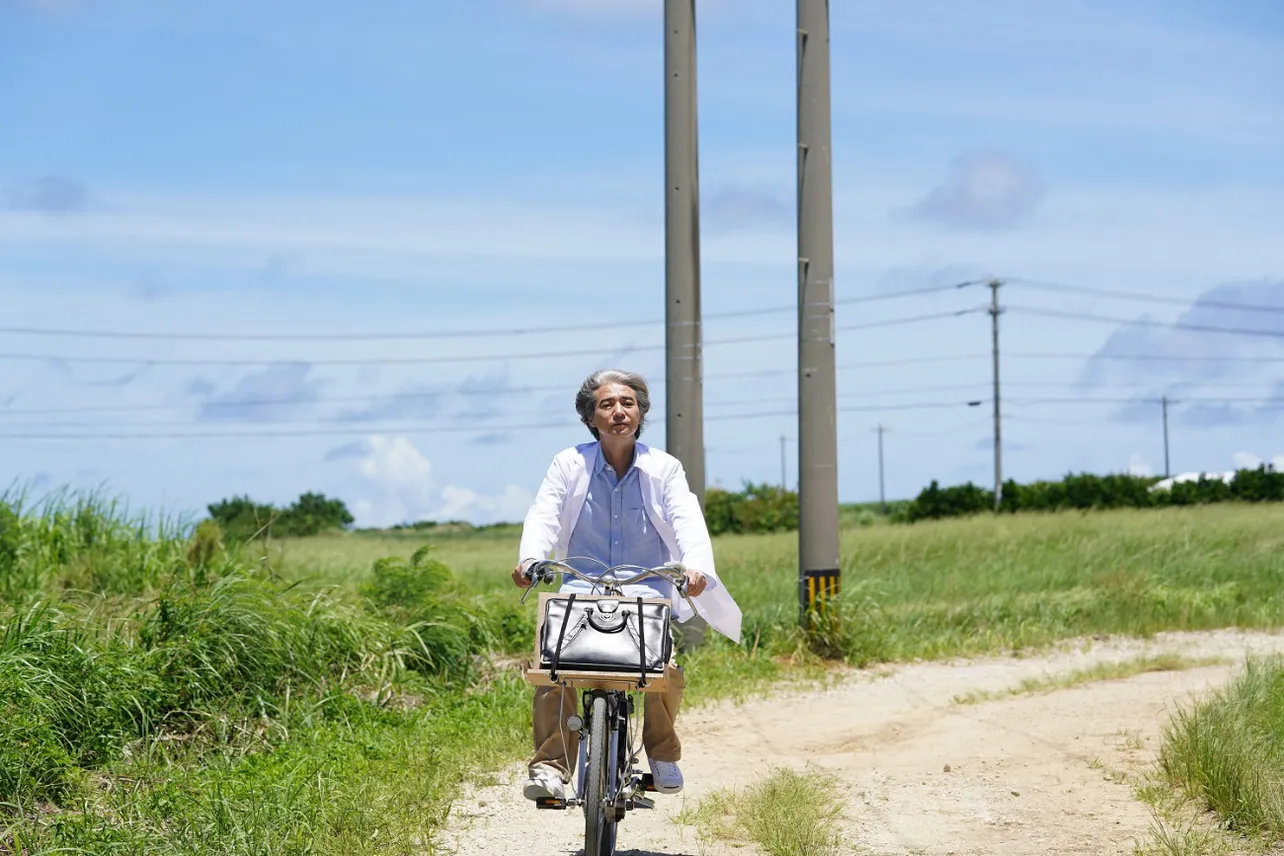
(666, 776)
(544, 784)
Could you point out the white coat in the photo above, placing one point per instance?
(672, 508)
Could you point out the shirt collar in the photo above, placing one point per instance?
(602, 464)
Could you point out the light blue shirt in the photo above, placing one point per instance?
(613, 527)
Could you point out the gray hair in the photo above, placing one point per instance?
(586, 398)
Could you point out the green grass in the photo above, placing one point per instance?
(956, 586)
(163, 694)
(1099, 672)
(1226, 752)
(787, 813)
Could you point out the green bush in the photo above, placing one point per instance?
(243, 519)
(756, 508)
(445, 630)
(1084, 491)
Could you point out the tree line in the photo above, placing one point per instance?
(761, 507)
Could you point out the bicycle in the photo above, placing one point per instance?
(607, 670)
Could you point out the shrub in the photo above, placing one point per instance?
(1087, 491)
(756, 508)
(243, 519)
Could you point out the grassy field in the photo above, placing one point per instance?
(949, 587)
(325, 695)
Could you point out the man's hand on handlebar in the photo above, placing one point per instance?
(519, 576)
(696, 583)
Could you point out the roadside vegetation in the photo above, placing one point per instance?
(1223, 757)
(786, 813)
(167, 689)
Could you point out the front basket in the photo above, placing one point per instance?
(602, 642)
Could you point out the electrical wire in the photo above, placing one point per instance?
(467, 358)
(440, 334)
(1161, 358)
(437, 429)
(1144, 322)
(1149, 298)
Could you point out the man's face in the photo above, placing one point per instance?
(617, 413)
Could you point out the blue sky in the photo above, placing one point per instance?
(494, 169)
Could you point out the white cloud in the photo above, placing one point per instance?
(1250, 461)
(1210, 232)
(396, 485)
(461, 503)
(1137, 466)
(1246, 461)
(984, 190)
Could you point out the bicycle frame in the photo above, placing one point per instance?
(609, 787)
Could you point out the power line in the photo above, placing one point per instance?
(1150, 298)
(1200, 399)
(419, 395)
(416, 395)
(380, 361)
(1145, 322)
(129, 408)
(1162, 358)
(438, 334)
(436, 429)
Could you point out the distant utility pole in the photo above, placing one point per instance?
(995, 311)
(1164, 402)
(783, 484)
(882, 496)
(684, 404)
(817, 408)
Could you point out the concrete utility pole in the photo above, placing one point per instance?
(1164, 402)
(995, 311)
(817, 408)
(882, 496)
(684, 395)
(783, 484)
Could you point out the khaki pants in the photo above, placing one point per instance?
(553, 705)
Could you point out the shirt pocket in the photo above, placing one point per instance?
(635, 514)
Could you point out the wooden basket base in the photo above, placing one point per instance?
(580, 679)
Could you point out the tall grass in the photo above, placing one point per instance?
(1227, 751)
(194, 703)
(84, 542)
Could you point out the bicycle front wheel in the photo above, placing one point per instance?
(599, 818)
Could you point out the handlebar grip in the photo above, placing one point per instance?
(536, 572)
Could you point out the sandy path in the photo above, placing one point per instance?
(1029, 774)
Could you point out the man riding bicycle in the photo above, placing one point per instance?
(619, 501)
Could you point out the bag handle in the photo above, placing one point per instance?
(557, 652)
(641, 645)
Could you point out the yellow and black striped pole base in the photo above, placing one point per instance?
(816, 589)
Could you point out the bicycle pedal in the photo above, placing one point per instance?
(643, 802)
(648, 784)
(550, 803)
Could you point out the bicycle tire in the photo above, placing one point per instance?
(599, 824)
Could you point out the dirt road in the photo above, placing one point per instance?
(1027, 774)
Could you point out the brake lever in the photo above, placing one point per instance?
(532, 579)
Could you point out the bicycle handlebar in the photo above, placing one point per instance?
(542, 572)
